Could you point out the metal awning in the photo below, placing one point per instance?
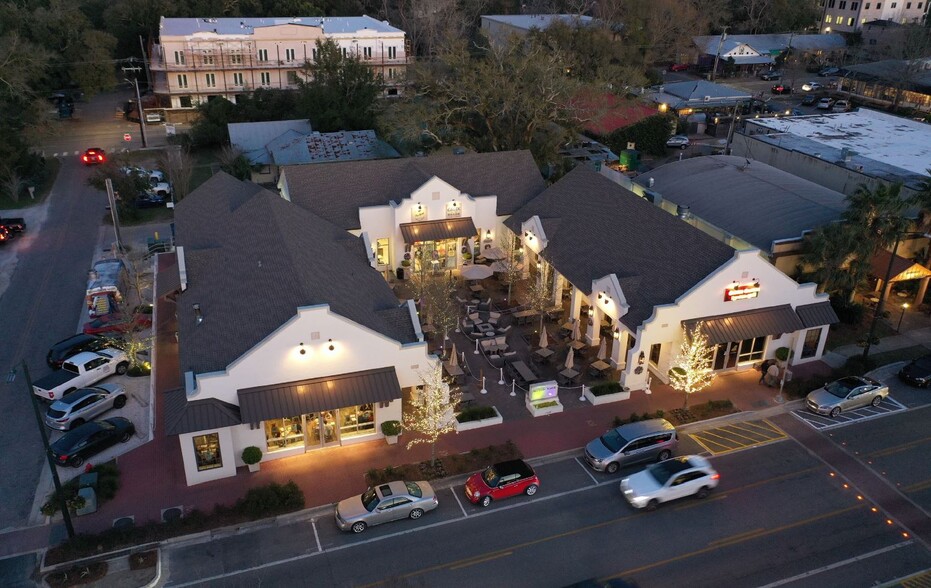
(318, 394)
(188, 416)
(748, 324)
(817, 314)
(438, 230)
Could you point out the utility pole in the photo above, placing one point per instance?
(145, 64)
(717, 55)
(730, 130)
(145, 143)
(114, 215)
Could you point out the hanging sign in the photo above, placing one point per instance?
(737, 291)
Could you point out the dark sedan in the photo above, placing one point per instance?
(72, 346)
(918, 372)
(114, 322)
(90, 439)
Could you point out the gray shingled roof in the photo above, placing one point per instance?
(606, 229)
(753, 201)
(336, 191)
(253, 258)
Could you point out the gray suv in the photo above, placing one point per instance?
(82, 405)
(652, 440)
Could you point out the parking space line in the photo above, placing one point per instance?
(770, 428)
(459, 502)
(728, 429)
(838, 564)
(313, 523)
(711, 432)
(702, 443)
(584, 467)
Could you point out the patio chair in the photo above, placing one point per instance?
(504, 330)
(509, 356)
(461, 300)
(501, 341)
(467, 324)
(496, 360)
(474, 317)
(493, 317)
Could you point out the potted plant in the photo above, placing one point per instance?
(782, 355)
(391, 430)
(251, 456)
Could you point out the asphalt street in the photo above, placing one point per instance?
(780, 517)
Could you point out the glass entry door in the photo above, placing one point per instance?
(321, 429)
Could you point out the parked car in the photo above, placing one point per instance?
(841, 106)
(918, 372)
(72, 346)
(6, 235)
(83, 405)
(679, 67)
(150, 200)
(772, 74)
(825, 104)
(649, 440)
(812, 86)
(14, 224)
(502, 480)
(680, 141)
(93, 156)
(846, 394)
(672, 479)
(809, 99)
(83, 369)
(385, 503)
(90, 439)
(829, 71)
(116, 323)
(781, 89)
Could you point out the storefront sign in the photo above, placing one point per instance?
(741, 291)
(543, 391)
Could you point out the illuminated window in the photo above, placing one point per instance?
(810, 346)
(381, 252)
(284, 433)
(207, 452)
(356, 420)
(850, 22)
(828, 19)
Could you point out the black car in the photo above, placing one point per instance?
(809, 100)
(917, 373)
(90, 439)
(72, 346)
(150, 200)
(771, 75)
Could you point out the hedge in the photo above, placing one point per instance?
(476, 413)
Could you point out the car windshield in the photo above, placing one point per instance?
(664, 470)
(613, 441)
(490, 476)
(841, 388)
(370, 499)
(55, 413)
(414, 490)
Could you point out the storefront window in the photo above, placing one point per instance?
(810, 346)
(381, 252)
(207, 452)
(751, 349)
(284, 433)
(356, 420)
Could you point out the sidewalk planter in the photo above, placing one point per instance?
(251, 456)
(391, 430)
(544, 407)
(782, 355)
(606, 392)
(479, 423)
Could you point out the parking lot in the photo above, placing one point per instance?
(820, 422)
(733, 437)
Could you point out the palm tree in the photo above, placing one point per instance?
(922, 199)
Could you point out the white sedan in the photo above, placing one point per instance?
(680, 141)
(691, 475)
(811, 86)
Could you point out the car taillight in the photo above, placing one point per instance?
(63, 458)
(51, 395)
(716, 477)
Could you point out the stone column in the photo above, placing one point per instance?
(593, 333)
(575, 306)
(922, 289)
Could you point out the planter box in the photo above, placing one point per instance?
(391, 439)
(535, 411)
(254, 467)
(468, 426)
(624, 394)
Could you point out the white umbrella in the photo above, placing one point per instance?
(476, 272)
(544, 341)
(499, 267)
(575, 331)
(602, 351)
(453, 360)
(570, 359)
(494, 253)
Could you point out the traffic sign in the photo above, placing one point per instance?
(127, 137)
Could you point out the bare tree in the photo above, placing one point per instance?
(178, 165)
(511, 263)
(540, 290)
(692, 370)
(434, 415)
(12, 184)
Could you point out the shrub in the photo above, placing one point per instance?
(391, 428)
(633, 418)
(617, 422)
(270, 500)
(139, 370)
(782, 353)
(251, 455)
(603, 388)
(849, 313)
(476, 413)
(547, 404)
(646, 416)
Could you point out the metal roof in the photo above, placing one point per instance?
(902, 269)
(817, 314)
(317, 394)
(438, 230)
(238, 26)
(539, 21)
(184, 416)
(748, 324)
(252, 136)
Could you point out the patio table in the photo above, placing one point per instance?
(525, 373)
(578, 345)
(485, 328)
(524, 316)
(569, 374)
(544, 353)
(476, 288)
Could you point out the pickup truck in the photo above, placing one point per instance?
(15, 225)
(81, 370)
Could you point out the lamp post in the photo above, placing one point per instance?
(62, 502)
(901, 316)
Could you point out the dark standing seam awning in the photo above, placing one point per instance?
(437, 230)
(317, 394)
(817, 314)
(748, 325)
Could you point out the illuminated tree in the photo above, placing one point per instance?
(434, 414)
(692, 369)
(540, 290)
(511, 262)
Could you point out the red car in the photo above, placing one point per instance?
(93, 156)
(679, 67)
(502, 480)
(115, 323)
(781, 89)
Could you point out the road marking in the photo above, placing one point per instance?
(481, 560)
(838, 564)
(898, 448)
(918, 486)
(459, 502)
(738, 537)
(864, 413)
(585, 467)
(313, 523)
(731, 440)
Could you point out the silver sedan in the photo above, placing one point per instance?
(846, 394)
(385, 503)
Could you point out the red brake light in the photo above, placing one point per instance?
(716, 477)
(51, 395)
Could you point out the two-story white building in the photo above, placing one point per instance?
(197, 59)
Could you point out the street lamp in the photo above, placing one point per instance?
(135, 83)
(62, 502)
(901, 316)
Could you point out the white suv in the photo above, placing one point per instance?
(691, 475)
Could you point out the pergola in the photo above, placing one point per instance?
(902, 270)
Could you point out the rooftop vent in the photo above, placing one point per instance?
(682, 211)
(198, 315)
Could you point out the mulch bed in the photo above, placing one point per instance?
(145, 559)
(77, 576)
(446, 465)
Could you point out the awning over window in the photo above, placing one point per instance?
(438, 230)
(817, 314)
(748, 324)
(318, 394)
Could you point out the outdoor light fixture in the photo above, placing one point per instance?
(599, 296)
(539, 265)
(419, 207)
(591, 311)
(488, 233)
(640, 358)
(331, 347)
(617, 333)
(303, 351)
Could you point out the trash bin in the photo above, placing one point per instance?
(400, 273)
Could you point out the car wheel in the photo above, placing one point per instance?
(664, 455)
(76, 461)
(682, 147)
(120, 402)
(126, 437)
(835, 411)
(121, 368)
(485, 501)
(77, 423)
(531, 490)
(416, 513)
(612, 468)
(877, 401)
(702, 492)
(358, 527)
(651, 506)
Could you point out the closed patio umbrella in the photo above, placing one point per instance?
(575, 331)
(570, 359)
(544, 340)
(602, 351)
(476, 272)
(453, 360)
(494, 253)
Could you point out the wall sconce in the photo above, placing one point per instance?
(303, 351)
(419, 207)
(527, 233)
(599, 296)
(539, 265)
(640, 358)
(591, 311)
(617, 333)
(331, 347)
